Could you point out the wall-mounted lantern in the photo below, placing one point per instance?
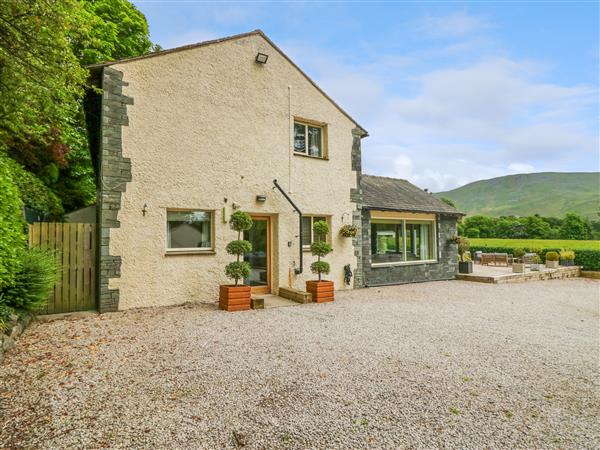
(261, 198)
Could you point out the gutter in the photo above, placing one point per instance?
(287, 197)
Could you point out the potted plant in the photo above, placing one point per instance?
(321, 290)
(567, 258)
(536, 263)
(518, 266)
(348, 231)
(465, 265)
(551, 260)
(236, 297)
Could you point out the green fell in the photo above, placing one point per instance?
(549, 194)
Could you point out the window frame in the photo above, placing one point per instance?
(324, 137)
(402, 221)
(191, 250)
(306, 247)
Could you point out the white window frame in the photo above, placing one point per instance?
(306, 247)
(190, 250)
(403, 221)
(310, 123)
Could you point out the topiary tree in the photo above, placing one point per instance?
(320, 249)
(240, 221)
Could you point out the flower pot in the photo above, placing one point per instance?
(567, 262)
(518, 268)
(234, 298)
(465, 267)
(536, 267)
(551, 264)
(322, 291)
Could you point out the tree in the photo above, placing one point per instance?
(484, 224)
(117, 29)
(238, 270)
(320, 248)
(41, 81)
(575, 227)
(43, 46)
(537, 228)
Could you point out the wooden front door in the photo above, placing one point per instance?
(260, 256)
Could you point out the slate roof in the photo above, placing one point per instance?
(393, 194)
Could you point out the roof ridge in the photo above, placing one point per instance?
(388, 178)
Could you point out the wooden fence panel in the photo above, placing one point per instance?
(75, 247)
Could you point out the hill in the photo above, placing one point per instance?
(550, 194)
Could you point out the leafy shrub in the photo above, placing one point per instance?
(536, 259)
(238, 247)
(33, 282)
(34, 193)
(463, 248)
(567, 255)
(551, 256)
(518, 252)
(238, 270)
(320, 267)
(12, 226)
(320, 249)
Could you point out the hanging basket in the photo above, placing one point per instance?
(348, 231)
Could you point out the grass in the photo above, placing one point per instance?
(536, 243)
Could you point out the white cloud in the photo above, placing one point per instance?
(455, 24)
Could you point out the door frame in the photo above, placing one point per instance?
(264, 289)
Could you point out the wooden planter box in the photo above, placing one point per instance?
(234, 298)
(322, 291)
(551, 264)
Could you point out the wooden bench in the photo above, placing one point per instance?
(295, 295)
(494, 258)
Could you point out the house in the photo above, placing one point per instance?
(406, 233)
(182, 138)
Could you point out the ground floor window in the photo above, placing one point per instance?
(402, 240)
(189, 230)
(308, 236)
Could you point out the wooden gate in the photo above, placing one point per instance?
(75, 247)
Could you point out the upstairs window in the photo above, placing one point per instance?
(309, 139)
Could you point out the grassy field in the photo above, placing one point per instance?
(536, 243)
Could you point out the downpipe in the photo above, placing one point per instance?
(297, 270)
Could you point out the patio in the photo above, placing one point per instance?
(503, 274)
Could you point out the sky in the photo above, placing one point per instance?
(450, 92)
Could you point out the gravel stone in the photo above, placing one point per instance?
(443, 364)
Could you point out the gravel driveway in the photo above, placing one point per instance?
(442, 364)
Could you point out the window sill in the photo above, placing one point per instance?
(405, 263)
(189, 251)
(304, 155)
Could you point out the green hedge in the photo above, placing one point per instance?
(34, 193)
(12, 227)
(588, 259)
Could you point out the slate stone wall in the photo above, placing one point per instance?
(357, 197)
(444, 269)
(115, 172)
